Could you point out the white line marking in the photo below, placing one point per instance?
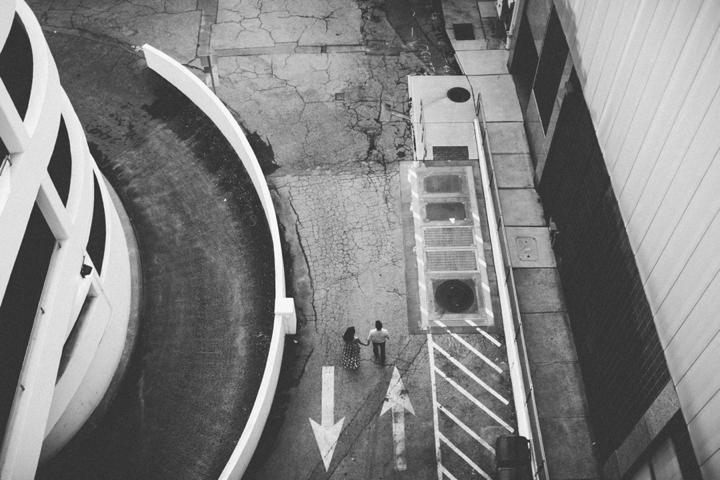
(431, 356)
(397, 401)
(418, 238)
(465, 457)
(489, 313)
(327, 434)
(486, 287)
(471, 348)
(467, 429)
(447, 473)
(474, 400)
(484, 333)
(328, 395)
(471, 375)
(415, 194)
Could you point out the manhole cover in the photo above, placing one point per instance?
(458, 94)
(454, 296)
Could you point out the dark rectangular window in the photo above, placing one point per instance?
(20, 304)
(525, 61)
(550, 68)
(620, 355)
(96, 241)
(16, 66)
(60, 166)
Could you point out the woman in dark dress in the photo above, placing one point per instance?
(351, 350)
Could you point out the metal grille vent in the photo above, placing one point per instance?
(449, 237)
(450, 153)
(451, 261)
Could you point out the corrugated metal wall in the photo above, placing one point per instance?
(651, 76)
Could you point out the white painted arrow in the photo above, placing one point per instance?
(327, 434)
(397, 401)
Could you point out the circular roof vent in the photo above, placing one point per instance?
(458, 95)
(454, 296)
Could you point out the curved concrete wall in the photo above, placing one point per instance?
(46, 410)
(285, 320)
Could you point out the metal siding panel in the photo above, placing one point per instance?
(672, 185)
(685, 337)
(578, 9)
(686, 287)
(677, 122)
(710, 470)
(641, 133)
(634, 68)
(581, 38)
(704, 429)
(616, 93)
(590, 41)
(627, 108)
(698, 380)
(601, 50)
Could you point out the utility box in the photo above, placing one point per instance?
(512, 458)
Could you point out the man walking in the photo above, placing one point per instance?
(379, 336)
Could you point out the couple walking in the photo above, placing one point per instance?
(351, 350)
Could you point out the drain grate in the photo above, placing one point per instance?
(464, 31)
(450, 261)
(449, 237)
(451, 153)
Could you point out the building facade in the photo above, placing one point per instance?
(65, 271)
(621, 106)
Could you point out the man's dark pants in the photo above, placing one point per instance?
(381, 347)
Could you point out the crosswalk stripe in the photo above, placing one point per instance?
(446, 472)
(466, 428)
(477, 402)
(483, 332)
(471, 375)
(464, 457)
(470, 347)
(433, 385)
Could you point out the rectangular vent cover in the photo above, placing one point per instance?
(450, 261)
(445, 184)
(449, 237)
(464, 31)
(444, 211)
(451, 153)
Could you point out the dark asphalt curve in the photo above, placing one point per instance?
(208, 282)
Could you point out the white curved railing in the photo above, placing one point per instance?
(285, 320)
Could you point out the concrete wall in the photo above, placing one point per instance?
(649, 70)
(46, 414)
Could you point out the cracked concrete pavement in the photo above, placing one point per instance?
(335, 125)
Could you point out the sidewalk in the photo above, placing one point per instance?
(557, 386)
